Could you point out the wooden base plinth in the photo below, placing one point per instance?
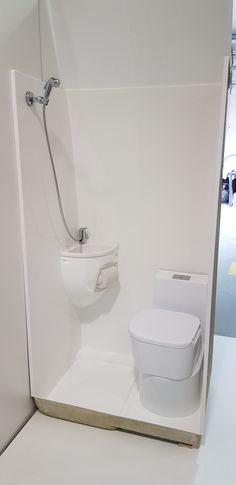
(110, 422)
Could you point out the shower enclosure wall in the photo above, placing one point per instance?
(137, 144)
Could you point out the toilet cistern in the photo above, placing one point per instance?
(82, 235)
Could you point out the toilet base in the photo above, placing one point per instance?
(171, 398)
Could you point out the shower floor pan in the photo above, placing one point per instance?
(100, 390)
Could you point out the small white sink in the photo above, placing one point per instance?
(88, 270)
(89, 250)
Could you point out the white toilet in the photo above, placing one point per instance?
(167, 343)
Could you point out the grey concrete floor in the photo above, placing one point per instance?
(225, 321)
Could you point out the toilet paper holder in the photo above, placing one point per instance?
(107, 275)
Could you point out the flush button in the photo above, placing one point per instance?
(184, 277)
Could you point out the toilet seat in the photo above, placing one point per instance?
(165, 343)
(165, 328)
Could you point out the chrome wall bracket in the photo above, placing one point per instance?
(29, 98)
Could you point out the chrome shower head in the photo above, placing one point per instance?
(30, 98)
(52, 82)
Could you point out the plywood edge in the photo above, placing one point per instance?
(110, 422)
(75, 414)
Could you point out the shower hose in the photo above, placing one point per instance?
(55, 178)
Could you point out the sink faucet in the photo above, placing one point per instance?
(83, 235)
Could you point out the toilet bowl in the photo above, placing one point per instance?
(172, 398)
(167, 344)
(168, 355)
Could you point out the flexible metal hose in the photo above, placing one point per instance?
(55, 178)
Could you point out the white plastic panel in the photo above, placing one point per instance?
(53, 325)
(19, 47)
(114, 43)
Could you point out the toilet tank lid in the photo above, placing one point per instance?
(165, 328)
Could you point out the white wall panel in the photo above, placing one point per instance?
(110, 43)
(54, 331)
(145, 117)
(20, 49)
(146, 168)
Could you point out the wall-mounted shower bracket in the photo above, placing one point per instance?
(30, 99)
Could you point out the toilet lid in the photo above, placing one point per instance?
(165, 328)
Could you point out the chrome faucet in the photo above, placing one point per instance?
(83, 235)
